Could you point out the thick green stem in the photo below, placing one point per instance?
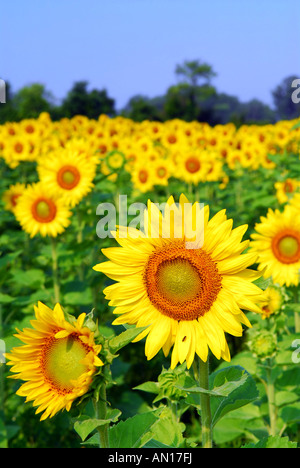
(205, 405)
(296, 313)
(271, 399)
(56, 285)
(100, 413)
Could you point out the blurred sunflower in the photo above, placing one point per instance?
(57, 362)
(69, 174)
(271, 302)
(277, 244)
(10, 196)
(184, 279)
(285, 190)
(39, 212)
(142, 176)
(192, 167)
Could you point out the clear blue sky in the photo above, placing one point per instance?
(132, 47)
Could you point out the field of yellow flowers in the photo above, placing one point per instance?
(128, 338)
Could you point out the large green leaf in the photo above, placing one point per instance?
(85, 425)
(272, 442)
(135, 432)
(238, 387)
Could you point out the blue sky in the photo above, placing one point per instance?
(132, 47)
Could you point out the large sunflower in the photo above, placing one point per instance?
(57, 361)
(69, 174)
(39, 212)
(184, 278)
(277, 243)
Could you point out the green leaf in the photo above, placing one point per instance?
(291, 413)
(238, 387)
(135, 432)
(118, 342)
(32, 279)
(272, 442)
(167, 430)
(85, 425)
(150, 387)
(5, 298)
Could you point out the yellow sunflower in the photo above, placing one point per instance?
(285, 190)
(69, 174)
(10, 196)
(39, 212)
(57, 361)
(142, 177)
(192, 168)
(277, 243)
(184, 278)
(272, 301)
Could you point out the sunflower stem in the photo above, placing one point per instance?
(296, 313)
(101, 413)
(271, 398)
(205, 405)
(56, 285)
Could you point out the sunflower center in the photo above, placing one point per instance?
(63, 362)
(182, 283)
(192, 165)
(68, 177)
(161, 172)
(44, 211)
(286, 247)
(143, 176)
(178, 280)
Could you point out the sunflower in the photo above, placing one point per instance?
(39, 212)
(277, 243)
(57, 362)
(11, 196)
(192, 167)
(142, 176)
(285, 190)
(184, 279)
(69, 174)
(272, 301)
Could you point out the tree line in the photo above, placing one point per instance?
(193, 97)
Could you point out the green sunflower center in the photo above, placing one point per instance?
(178, 280)
(182, 283)
(63, 362)
(68, 177)
(43, 209)
(288, 246)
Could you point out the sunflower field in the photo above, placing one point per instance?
(114, 335)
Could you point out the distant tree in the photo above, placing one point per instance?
(79, 101)
(30, 101)
(256, 111)
(185, 99)
(194, 71)
(186, 102)
(141, 108)
(285, 108)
